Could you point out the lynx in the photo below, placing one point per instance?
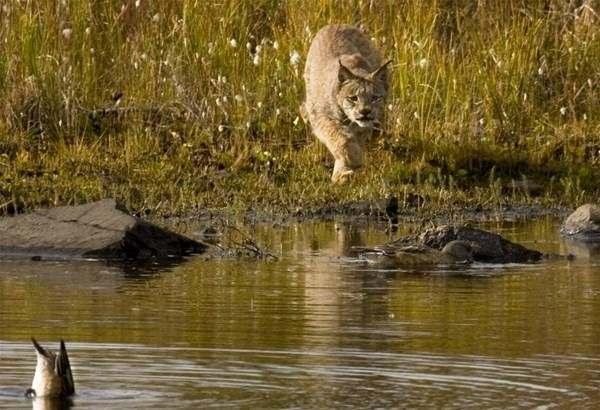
(346, 87)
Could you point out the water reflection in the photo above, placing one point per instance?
(313, 329)
(582, 250)
(45, 403)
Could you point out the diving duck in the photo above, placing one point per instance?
(455, 252)
(53, 377)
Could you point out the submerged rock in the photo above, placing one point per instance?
(583, 224)
(98, 230)
(449, 240)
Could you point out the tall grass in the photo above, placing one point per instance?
(176, 104)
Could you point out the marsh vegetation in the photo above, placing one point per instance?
(174, 105)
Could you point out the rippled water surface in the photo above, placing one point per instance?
(315, 329)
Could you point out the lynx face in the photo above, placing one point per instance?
(361, 99)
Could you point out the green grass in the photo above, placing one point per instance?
(481, 94)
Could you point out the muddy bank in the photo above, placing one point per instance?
(367, 211)
(379, 209)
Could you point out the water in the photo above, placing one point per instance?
(315, 329)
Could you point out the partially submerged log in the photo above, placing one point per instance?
(98, 230)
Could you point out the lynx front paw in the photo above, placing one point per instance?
(341, 177)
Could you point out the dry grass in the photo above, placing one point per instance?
(177, 104)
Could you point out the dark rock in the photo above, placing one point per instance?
(98, 230)
(583, 224)
(487, 247)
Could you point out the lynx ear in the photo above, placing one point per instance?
(344, 73)
(380, 71)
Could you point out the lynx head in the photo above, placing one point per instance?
(361, 94)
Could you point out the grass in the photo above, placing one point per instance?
(482, 93)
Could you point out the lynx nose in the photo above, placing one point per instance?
(365, 111)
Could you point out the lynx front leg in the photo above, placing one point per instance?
(346, 150)
(348, 157)
(341, 173)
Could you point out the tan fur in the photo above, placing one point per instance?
(346, 86)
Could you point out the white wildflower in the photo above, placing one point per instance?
(138, 3)
(156, 18)
(88, 31)
(563, 110)
(256, 59)
(258, 49)
(277, 112)
(221, 128)
(249, 46)
(276, 45)
(238, 98)
(233, 43)
(423, 63)
(259, 105)
(66, 33)
(295, 58)
(296, 121)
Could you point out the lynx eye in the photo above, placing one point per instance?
(352, 98)
(377, 98)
